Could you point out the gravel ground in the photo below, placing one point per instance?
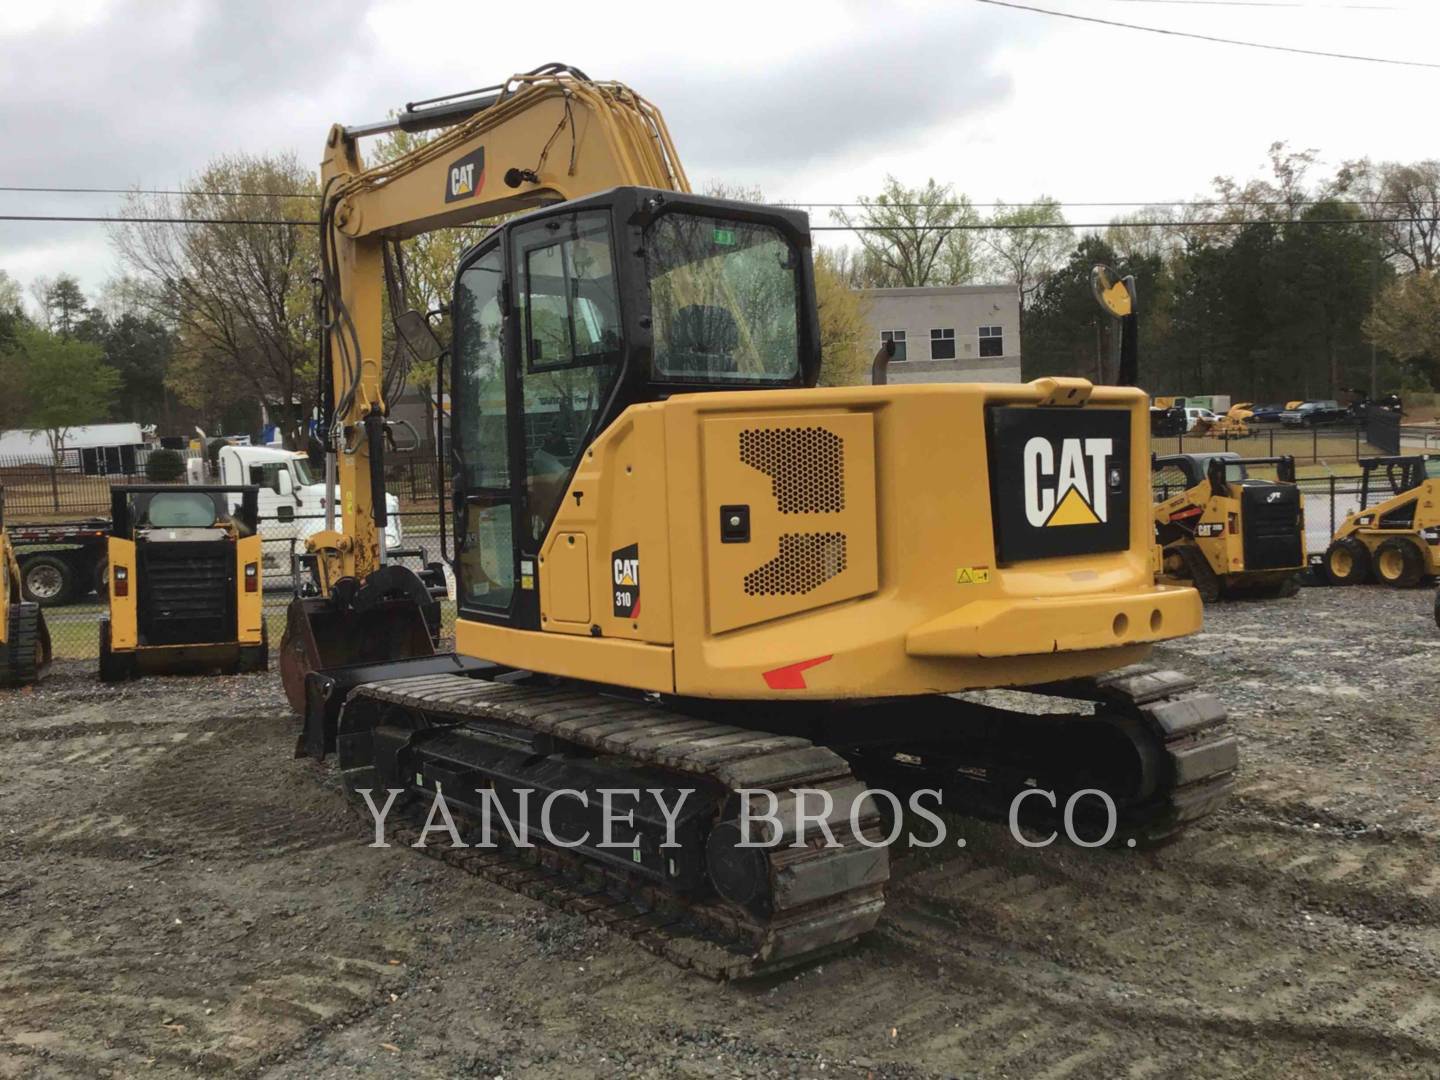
(181, 896)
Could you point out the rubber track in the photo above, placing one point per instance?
(1202, 576)
(18, 655)
(823, 897)
(1199, 753)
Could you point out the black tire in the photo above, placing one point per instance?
(1437, 607)
(48, 580)
(114, 667)
(1399, 563)
(255, 657)
(102, 578)
(1347, 562)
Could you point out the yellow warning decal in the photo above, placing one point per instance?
(526, 581)
(1073, 510)
(972, 575)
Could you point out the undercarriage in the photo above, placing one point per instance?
(531, 768)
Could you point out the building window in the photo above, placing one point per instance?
(992, 341)
(942, 344)
(897, 336)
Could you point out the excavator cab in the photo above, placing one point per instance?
(567, 317)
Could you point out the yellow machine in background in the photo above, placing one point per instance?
(185, 584)
(1396, 540)
(682, 566)
(1233, 425)
(24, 638)
(1226, 531)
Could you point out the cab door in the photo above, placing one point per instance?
(484, 498)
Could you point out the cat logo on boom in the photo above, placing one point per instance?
(1066, 482)
(465, 177)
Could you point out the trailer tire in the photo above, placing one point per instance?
(48, 580)
(1399, 563)
(102, 578)
(1347, 562)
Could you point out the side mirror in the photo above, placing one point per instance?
(413, 330)
(283, 484)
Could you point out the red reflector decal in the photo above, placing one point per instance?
(792, 676)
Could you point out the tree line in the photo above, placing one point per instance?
(1288, 285)
(1292, 284)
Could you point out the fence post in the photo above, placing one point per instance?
(1272, 443)
(1332, 504)
(1315, 443)
(55, 486)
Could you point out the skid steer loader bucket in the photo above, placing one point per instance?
(392, 616)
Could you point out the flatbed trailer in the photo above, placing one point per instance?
(62, 562)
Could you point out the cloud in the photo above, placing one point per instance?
(882, 86)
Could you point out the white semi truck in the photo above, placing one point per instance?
(292, 502)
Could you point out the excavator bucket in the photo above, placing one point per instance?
(391, 619)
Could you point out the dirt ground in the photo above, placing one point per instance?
(179, 896)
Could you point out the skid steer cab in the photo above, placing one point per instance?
(1228, 531)
(24, 639)
(185, 588)
(1394, 537)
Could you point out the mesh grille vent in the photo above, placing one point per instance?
(806, 467)
(806, 561)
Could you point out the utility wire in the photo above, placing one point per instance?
(975, 227)
(1207, 37)
(784, 202)
(1266, 4)
(162, 191)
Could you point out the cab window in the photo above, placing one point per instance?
(181, 510)
(724, 300)
(570, 349)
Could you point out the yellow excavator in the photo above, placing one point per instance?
(24, 638)
(682, 567)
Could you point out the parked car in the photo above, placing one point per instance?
(1314, 412)
(1267, 414)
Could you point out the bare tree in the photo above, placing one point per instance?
(235, 288)
(1027, 243)
(915, 236)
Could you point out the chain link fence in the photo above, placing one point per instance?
(1316, 445)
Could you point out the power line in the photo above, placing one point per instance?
(1266, 4)
(785, 202)
(969, 227)
(1207, 37)
(162, 191)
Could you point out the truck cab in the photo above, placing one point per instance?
(291, 501)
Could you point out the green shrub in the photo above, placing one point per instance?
(164, 466)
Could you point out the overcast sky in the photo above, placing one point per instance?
(812, 102)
